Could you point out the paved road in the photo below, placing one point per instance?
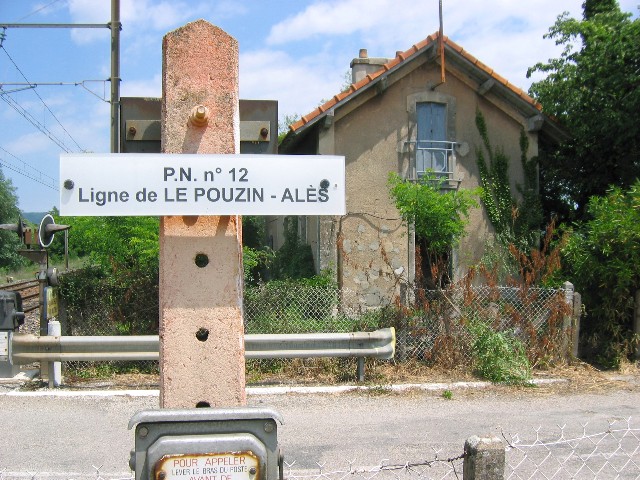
(67, 437)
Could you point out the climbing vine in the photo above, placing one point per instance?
(515, 221)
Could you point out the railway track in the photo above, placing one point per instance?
(29, 291)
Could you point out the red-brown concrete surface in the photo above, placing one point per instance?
(200, 67)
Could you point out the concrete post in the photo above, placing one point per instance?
(201, 328)
(575, 326)
(567, 319)
(484, 458)
(55, 368)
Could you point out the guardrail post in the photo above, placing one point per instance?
(201, 328)
(484, 458)
(361, 369)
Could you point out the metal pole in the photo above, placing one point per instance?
(441, 46)
(66, 250)
(42, 285)
(115, 27)
(360, 369)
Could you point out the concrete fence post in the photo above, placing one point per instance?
(484, 458)
(55, 368)
(575, 325)
(567, 319)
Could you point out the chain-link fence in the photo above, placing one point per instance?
(586, 453)
(434, 328)
(600, 452)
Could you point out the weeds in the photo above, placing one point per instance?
(498, 356)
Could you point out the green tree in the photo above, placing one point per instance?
(9, 213)
(603, 257)
(114, 242)
(295, 258)
(438, 217)
(593, 90)
(283, 125)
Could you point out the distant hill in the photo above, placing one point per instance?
(34, 217)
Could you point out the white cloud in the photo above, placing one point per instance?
(330, 18)
(143, 88)
(33, 142)
(145, 15)
(503, 34)
(297, 84)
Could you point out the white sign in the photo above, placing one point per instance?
(175, 184)
(213, 466)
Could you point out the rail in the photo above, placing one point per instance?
(20, 285)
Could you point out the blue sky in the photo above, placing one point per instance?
(296, 52)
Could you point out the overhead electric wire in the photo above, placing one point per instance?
(42, 100)
(38, 10)
(42, 128)
(42, 177)
(30, 85)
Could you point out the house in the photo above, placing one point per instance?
(407, 114)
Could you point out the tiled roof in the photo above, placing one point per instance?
(403, 57)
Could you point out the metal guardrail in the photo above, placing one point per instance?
(27, 348)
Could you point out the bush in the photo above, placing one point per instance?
(603, 259)
(295, 258)
(497, 356)
(97, 302)
(291, 306)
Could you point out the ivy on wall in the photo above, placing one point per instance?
(516, 221)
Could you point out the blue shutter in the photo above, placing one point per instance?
(430, 147)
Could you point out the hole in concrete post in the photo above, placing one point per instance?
(202, 334)
(203, 404)
(202, 260)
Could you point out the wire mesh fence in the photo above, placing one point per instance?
(586, 453)
(433, 328)
(609, 451)
(434, 469)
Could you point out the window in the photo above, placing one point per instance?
(432, 149)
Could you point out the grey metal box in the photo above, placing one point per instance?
(214, 444)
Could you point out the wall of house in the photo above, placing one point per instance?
(373, 253)
(373, 246)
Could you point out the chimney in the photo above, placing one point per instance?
(363, 65)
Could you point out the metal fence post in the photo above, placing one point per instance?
(484, 458)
